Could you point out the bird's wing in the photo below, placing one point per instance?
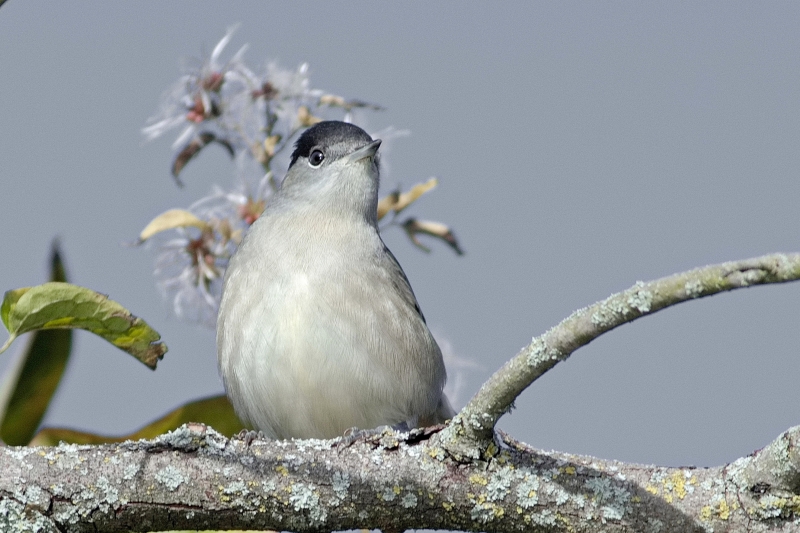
(400, 282)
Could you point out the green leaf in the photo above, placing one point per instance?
(58, 305)
(216, 412)
(30, 383)
(53, 436)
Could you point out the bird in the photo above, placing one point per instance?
(318, 329)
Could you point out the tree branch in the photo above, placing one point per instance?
(194, 478)
(470, 432)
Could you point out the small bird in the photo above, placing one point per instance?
(318, 330)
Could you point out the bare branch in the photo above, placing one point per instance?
(470, 433)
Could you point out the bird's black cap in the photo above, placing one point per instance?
(343, 137)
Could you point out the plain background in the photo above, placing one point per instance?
(580, 147)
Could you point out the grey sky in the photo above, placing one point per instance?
(580, 147)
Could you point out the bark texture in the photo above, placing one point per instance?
(194, 478)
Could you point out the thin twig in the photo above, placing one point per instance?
(471, 431)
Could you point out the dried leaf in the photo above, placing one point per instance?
(174, 218)
(397, 201)
(414, 227)
(225, 230)
(408, 198)
(57, 305)
(305, 117)
(387, 203)
(332, 100)
(269, 145)
(337, 101)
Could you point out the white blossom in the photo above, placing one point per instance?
(199, 100)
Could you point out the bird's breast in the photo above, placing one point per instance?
(324, 340)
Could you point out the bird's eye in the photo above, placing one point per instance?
(316, 158)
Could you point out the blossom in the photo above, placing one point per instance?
(189, 271)
(274, 112)
(291, 90)
(198, 100)
(190, 266)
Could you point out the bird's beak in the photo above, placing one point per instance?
(367, 151)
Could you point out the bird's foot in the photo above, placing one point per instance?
(249, 435)
(353, 434)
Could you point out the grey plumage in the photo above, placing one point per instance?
(318, 329)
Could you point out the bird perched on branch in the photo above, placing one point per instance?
(318, 328)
